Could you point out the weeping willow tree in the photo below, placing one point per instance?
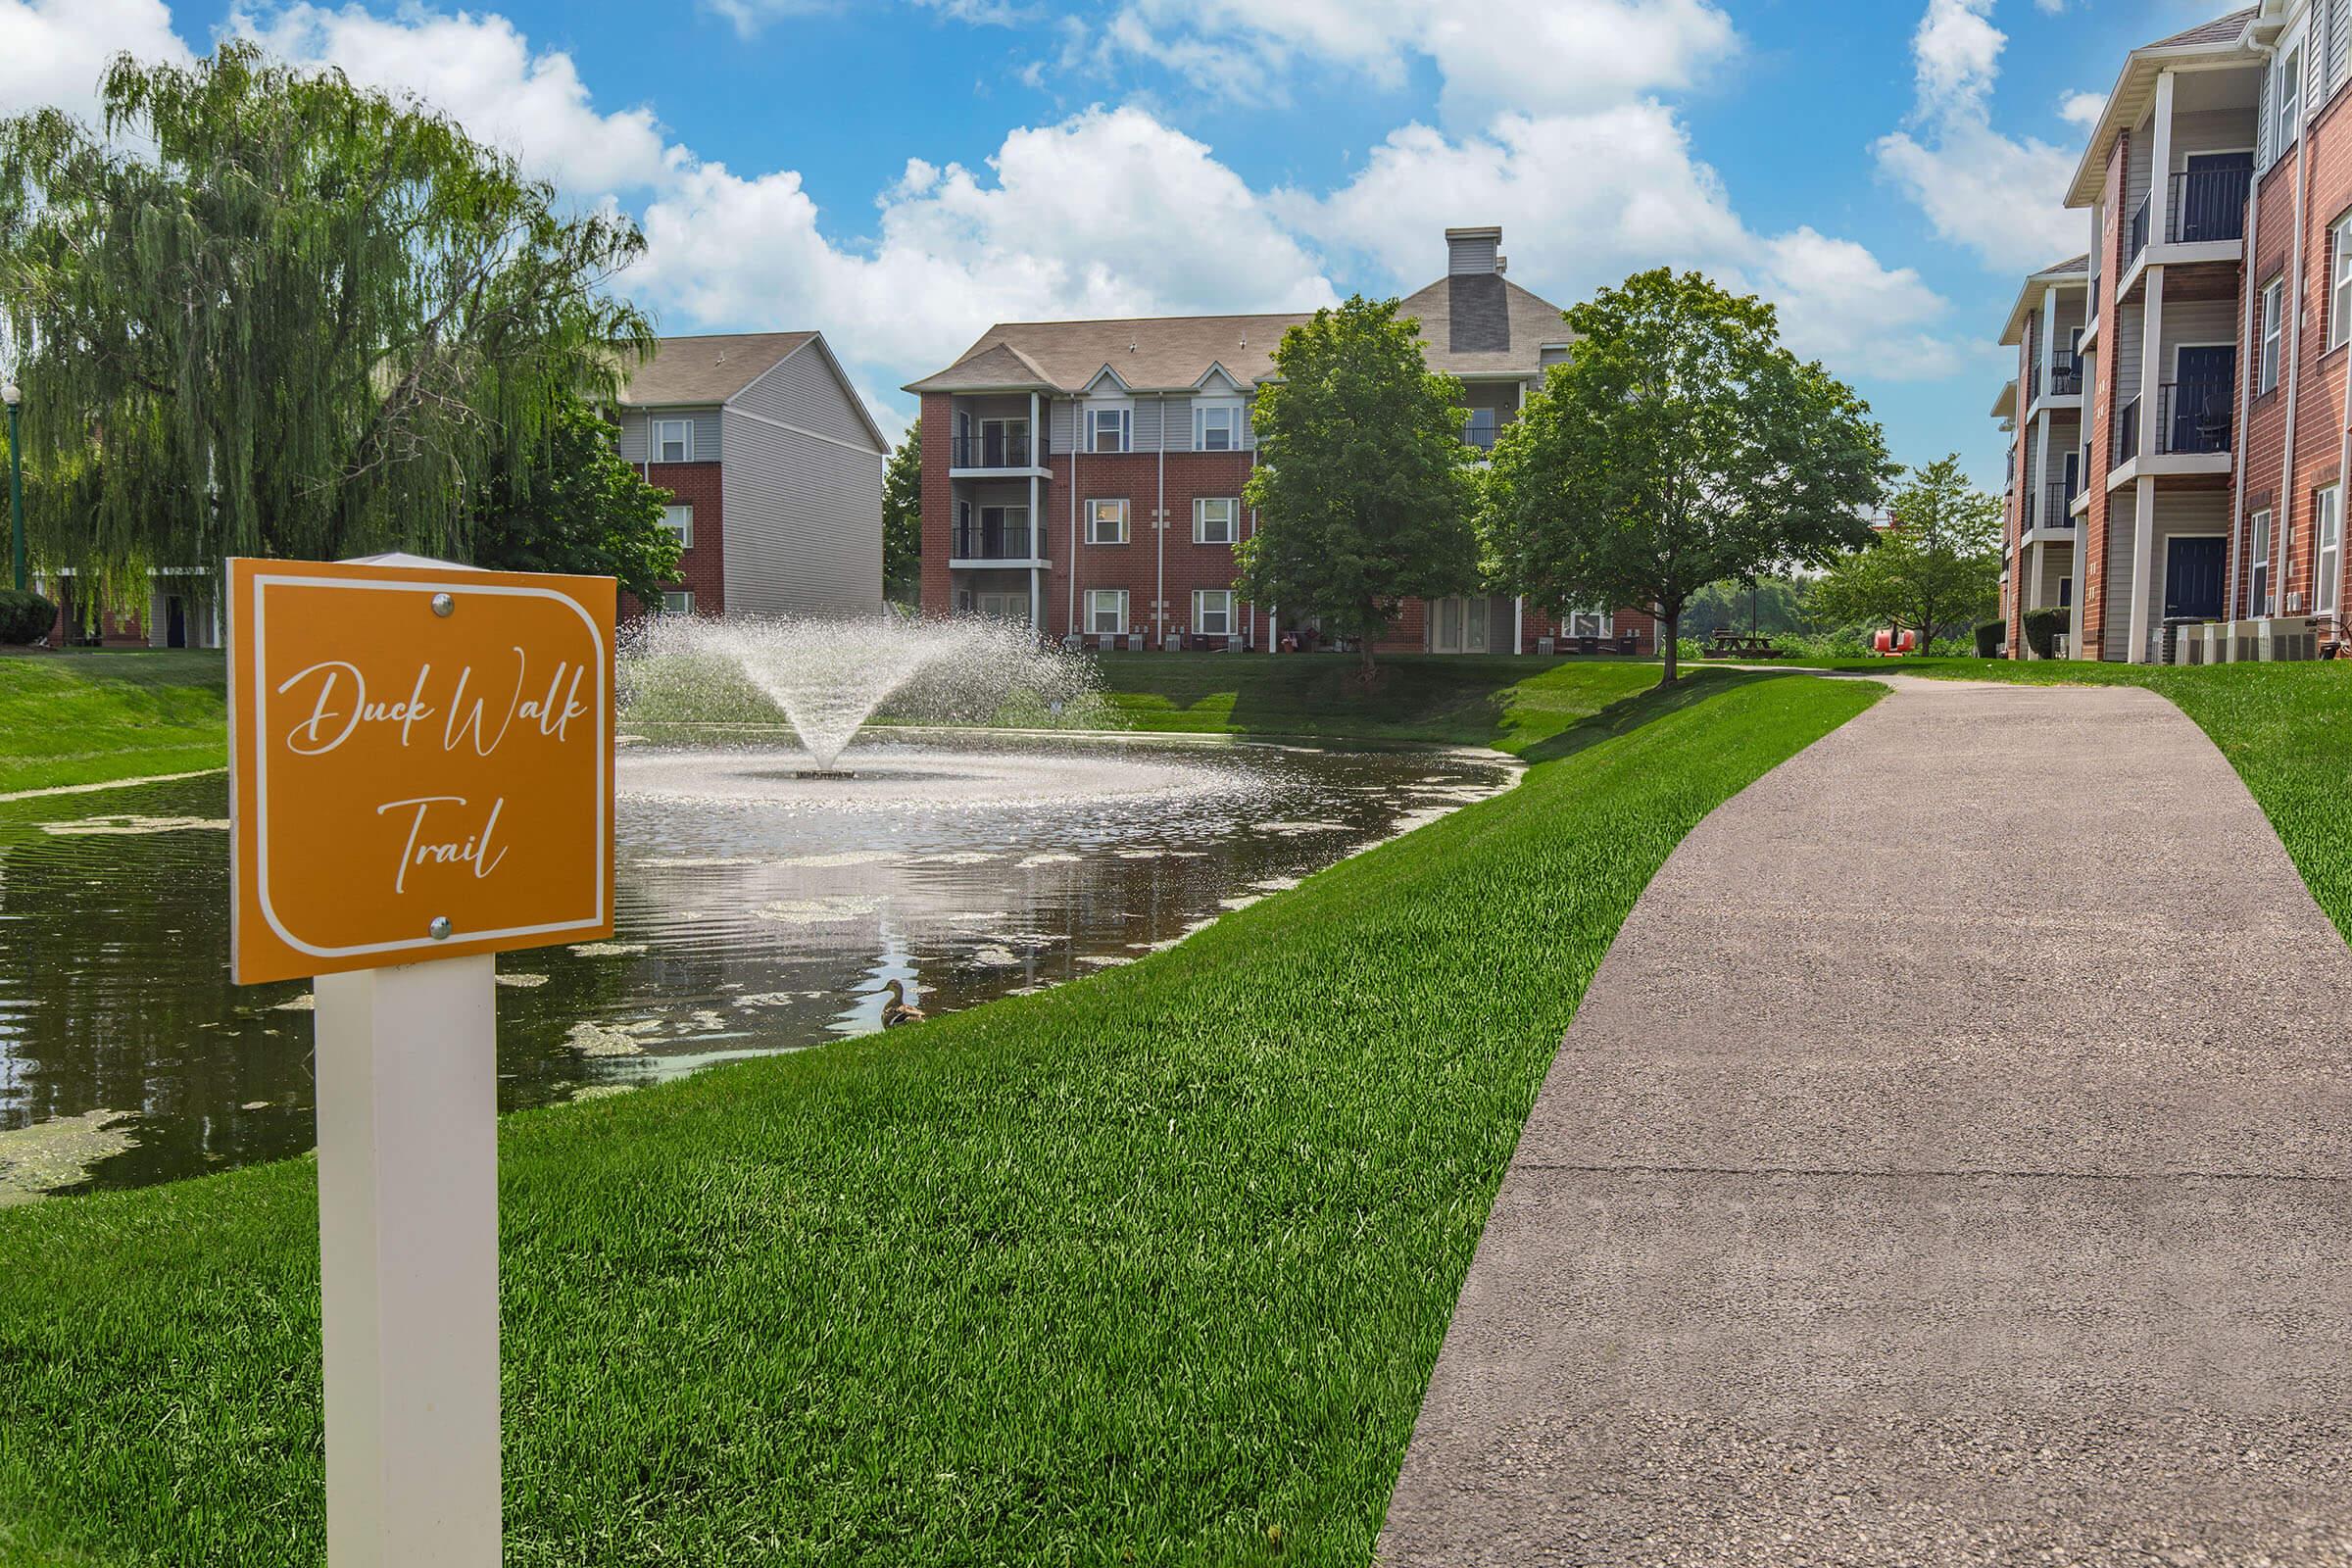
(262, 311)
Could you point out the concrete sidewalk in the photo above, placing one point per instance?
(1951, 1163)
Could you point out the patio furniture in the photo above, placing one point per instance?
(1730, 643)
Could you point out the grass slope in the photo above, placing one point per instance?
(1149, 1268)
(1496, 701)
(2287, 728)
(85, 717)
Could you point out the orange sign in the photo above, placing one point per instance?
(420, 763)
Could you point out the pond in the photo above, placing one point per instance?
(758, 911)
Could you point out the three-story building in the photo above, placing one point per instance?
(1089, 477)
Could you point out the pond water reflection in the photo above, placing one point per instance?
(756, 913)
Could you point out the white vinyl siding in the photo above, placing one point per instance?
(1107, 522)
(1106, 611)
(1215, 521)
(680, 521)
(801, 519)
(803, 391)
(1212, 611)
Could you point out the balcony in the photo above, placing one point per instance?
(993, 542)
(2194, 416)
(995, 451)
(2135, 238)
(2207, 205)
(2057, 507)
(2126, 432)
(1482, 429)
(2066, 380)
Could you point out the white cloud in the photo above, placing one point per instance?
(56, 51)
(1591, 198)
(1528, 55)
(1997, 196)
(2083, 108)
(480, 70)
(1108, 212)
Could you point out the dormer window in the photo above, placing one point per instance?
(1216, 426)
(1110, 430)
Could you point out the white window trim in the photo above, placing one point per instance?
(1235, 417)
(683, 606)
(1091, 536)
(1200, 598)
(1117, 597)
(2328, 541)
(2273, 335)
(2258, 571)
(1606, 617)
(1232, 519)
(1125, 412)
(685, 534)
(660, 440)
(2286, 95)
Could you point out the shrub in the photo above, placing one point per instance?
(24, 616)
(1988, 638)
(2042, 630)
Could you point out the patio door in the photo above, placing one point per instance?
(1003, 607)
(1458, 625)
(2201, 409)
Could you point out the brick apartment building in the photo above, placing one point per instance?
(774, 470)
(1087, 477)
(2199, 514)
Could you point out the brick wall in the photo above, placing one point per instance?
(702, 570)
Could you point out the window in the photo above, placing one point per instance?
(1108, 430)
(1216, 428)
(1004, 444)
(2066, 593)
(679, 602)
(2328, 524)
(1213, 519)
(1107, 522)
(673, 440)
(2271, 327)
(2287, 92)
(680, 521)
(2339, 282)
(1212, 611)
(1590, 623)
(2258, 587)
(1106, 611)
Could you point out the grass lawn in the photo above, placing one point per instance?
(2287, 728)
(1496, 701)
(1151, 1267)
(83, 717)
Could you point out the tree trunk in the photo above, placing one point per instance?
(1364, 670)
(1670, 648)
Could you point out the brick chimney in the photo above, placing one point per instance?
(1472, 252)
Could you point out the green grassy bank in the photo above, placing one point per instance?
(2287, 728)
(86, 717)
(1510, 703)
(1149, 1268)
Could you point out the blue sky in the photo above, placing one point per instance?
(901, 172)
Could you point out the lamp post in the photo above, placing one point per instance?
(12, 395)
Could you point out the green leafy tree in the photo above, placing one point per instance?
(295, 317)
(1679, 444)
(903, 520)
(572, 504)
(1364, 487)
(1937, 570)
(1765, 605)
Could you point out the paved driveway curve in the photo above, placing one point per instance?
(1951, 1163)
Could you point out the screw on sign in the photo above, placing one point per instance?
(420, 775)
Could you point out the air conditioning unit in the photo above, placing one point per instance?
(1543, 647)
(2286, 638)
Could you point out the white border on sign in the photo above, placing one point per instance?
(260, 761)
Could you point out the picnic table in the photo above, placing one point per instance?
(1728, 644)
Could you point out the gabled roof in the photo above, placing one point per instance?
(2073, 273)
(1480, 324)
(687, 370)
(2211, 42)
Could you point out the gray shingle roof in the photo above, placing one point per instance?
(2072, 263)
(1469, 325)
(706, 369)
(2221, 29)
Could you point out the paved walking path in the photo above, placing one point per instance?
(1951, 1163)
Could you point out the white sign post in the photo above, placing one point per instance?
(421, 776)
(407, 1240)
